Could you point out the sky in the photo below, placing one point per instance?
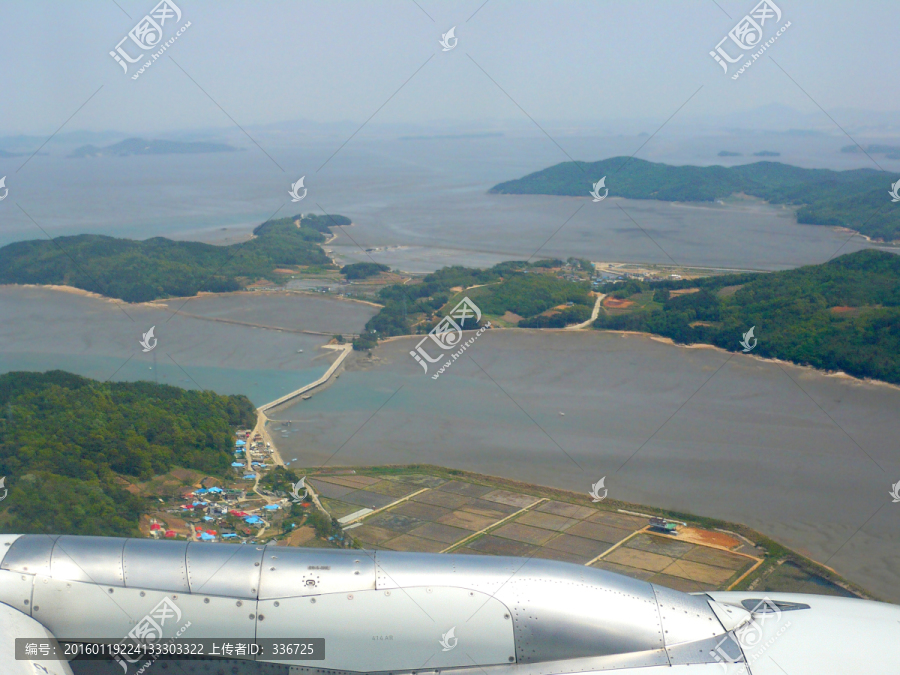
(554, 64)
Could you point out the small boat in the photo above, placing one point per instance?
(299, 351)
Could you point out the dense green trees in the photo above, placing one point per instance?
(514, 286)
(139, 271)
(363, 270)
(856, 199)
(842, 315)
(530, 294)
(65, 440)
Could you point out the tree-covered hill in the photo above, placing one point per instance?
(363, 270)
(528, 289)
(139, 271)
(857, 199)
(841, 315)
(65, 440)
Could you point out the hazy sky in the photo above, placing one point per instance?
(562, 62)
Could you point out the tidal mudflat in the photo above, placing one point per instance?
(781, 448)
(44, 329)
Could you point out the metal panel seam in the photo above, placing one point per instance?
(661, 626)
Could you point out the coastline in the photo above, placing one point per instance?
(839, 374)
(262, 419)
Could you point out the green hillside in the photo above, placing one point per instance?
(139, 271)
(65, 440)
(842, 315)
(857, 199)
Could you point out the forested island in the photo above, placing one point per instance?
(533, 292)
(857, 199)
(139, 146)
(70, 446)
(841, 315)
(140, 271)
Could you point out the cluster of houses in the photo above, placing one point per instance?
(216, 513)
(258, 452)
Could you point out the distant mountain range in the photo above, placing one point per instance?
(139, 146)
(761, 153)
(857, 199)
(890, 151)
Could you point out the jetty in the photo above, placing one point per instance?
(345, 352)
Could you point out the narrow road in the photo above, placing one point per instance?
(594, 315)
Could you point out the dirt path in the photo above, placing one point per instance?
(594, 315)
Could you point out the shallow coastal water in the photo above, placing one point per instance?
(748, 445)
(428, 195)
(44, 329)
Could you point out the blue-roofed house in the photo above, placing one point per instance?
(237, 464)
(215, 490)
(250, 476)
(252, 520)
(240, 444)
(206, 536)
(271, 507)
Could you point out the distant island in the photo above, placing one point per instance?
(139, 146)
(74, 445)
(140, 271)
(729, 153)
(766, 153)
(840, 315)
(856, 199)
(453, 137)
(873, 149)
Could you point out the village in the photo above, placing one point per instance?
(262, 502)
